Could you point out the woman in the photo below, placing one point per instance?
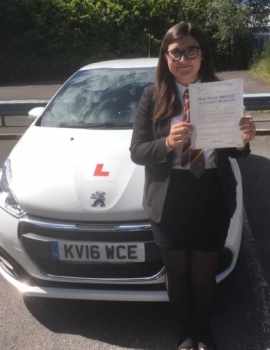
(190, 215)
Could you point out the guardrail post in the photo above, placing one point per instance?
(3, 120)
(18, 108)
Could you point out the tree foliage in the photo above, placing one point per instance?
(260, 12)
(228, 27)
(50, 39)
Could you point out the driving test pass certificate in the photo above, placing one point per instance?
(215, 111)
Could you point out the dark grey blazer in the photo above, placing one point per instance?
(148, 149)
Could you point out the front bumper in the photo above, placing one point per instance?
(19, 266)
(85, 294)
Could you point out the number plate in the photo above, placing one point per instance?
(97, 251)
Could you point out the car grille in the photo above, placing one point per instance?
(36, 234)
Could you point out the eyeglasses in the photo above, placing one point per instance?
(190, 53)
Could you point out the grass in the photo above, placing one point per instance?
(259, 112)
(261, 68)
(261, 65)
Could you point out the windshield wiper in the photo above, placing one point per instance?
(105, 125)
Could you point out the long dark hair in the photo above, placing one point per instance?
(167, 102)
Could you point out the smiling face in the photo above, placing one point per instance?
(185, 71)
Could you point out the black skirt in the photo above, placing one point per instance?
(195, 214)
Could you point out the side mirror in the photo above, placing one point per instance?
(35, 112)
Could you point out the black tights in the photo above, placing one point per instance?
(191, 287)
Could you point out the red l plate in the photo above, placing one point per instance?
(98, 171)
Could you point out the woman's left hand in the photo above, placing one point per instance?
(248, 128)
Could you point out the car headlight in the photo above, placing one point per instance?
(8, 201)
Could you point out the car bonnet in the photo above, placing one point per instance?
(77, 174)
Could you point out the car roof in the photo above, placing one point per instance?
(124, 63)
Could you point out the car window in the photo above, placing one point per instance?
(98, 96)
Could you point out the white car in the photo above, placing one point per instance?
(72, 223)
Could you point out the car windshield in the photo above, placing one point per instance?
(98, 98)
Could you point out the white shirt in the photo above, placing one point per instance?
(209, 154)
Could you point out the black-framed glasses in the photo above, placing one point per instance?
(190, 53)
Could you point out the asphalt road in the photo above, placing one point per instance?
(242, 315)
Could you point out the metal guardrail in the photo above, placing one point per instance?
(18, 108)
(252, 102)
(257, 102)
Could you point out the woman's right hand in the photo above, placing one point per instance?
(179, 133)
